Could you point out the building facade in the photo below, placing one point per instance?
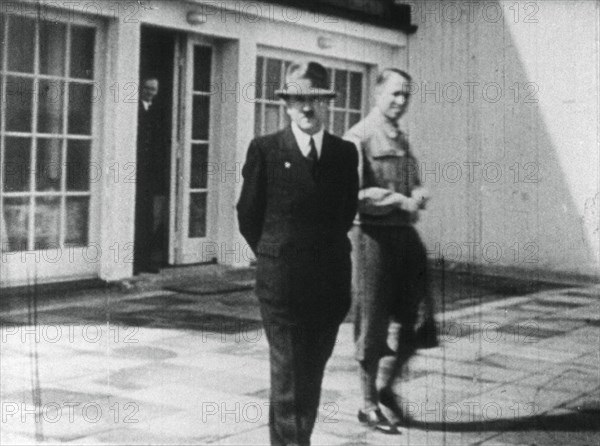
(70, 75)
(504, 120)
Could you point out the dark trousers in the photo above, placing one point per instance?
(144, 230)
(390, 277)
(298, 356)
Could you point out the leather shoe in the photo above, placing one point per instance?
(388, 400)
(377, 421)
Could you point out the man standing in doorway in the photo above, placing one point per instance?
(150, 172)
(297, 205)
(391, 262)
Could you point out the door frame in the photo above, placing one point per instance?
(182, 248)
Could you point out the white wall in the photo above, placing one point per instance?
(525, 125)
(117, 214)
(514, 160)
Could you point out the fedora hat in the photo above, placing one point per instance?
(306, 79)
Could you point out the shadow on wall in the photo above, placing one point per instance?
(504, 120)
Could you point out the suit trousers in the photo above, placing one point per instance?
(390, 280)
(143, 229)
(298, 356)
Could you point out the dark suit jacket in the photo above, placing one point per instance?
(298, 226)
(153, 150)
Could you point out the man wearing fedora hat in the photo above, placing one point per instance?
(298, 201)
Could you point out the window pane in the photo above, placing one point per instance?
(257, 119)
(20, 46)
(286, 65)
(16, 224)
(202, 64)
(53, 42)
(77, 219)
(274, 81)
(50, 106)
(353, 118)
(19, 102)
(17, 164)
(259, 76)
(47, 223)
(341, 86)
(48, 168)
(271, 118)
(200, 117)
(80, 109)
(197, 215)
(327, 119)
(339, 123)
(199, 173)
(78, 165)
(82, 52)
(356, 91)
(286, 118)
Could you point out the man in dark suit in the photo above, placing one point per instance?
(150, 173)
(298, 201)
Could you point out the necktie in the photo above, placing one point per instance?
(313, 157)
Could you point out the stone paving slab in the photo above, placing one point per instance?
(543, 437)
(523, 401)
(518, 364)
(183, 370)
(63, 415)
(137, 436)
(573, 380)
(565, 345)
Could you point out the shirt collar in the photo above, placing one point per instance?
(146, 104)
(392, 131)
(394, 142)
(303, 140)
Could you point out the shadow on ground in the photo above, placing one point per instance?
(588, 421)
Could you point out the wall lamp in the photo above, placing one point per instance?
(196, 18)
(325, 43)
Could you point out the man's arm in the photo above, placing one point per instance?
(377, 200)
(352, 190)
(381, 201)
(252, 203)
(420, 194)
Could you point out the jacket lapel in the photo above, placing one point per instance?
(326, 150)
(292, 153)
(289, 144)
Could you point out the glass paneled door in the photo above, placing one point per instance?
(49, 150)
(193, 215)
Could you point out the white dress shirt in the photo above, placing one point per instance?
(146, 105)
(303, 140)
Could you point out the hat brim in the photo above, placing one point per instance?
(313, 92)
